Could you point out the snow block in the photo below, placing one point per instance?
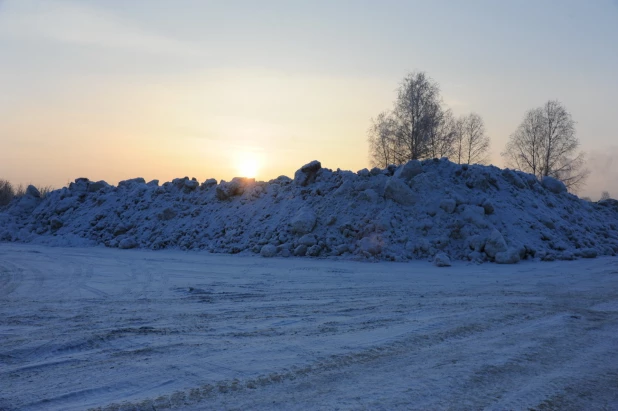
(448, 205)
(399, 192)
(553, 185)
(510, 256)
(211, 182)
(371, 245)
(32, 191)
(25, 205)
(132, 181)
(304, 221)
(97, 186)
(191, 184)
(495, 244)
(409, 170)
(307, 173)
(308, 240)
(268, 251)
(65, 204)
(127, 243)
(236, 187)
(442, 260)
(55, 223)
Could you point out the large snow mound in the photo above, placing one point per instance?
(420, 210)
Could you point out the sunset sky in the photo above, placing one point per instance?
(115, 89)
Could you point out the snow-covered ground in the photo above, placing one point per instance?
(137, 329)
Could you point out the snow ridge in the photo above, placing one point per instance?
(419, 210)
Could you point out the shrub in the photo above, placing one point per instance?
(7, 192)
(45, 190)
(20, 191)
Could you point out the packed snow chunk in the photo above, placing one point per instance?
(55, 223)
(476, 243)
(304, 221)
(66, 203)
(442, 260)
(191, 184)
(282, 180)
(510, 256)
(314, 250)
(363, 173)
(308, 240)
(553, 185)
(127, 243)
(268, 250)
(480, 178)
(25, 205)
(368, 195)
(93, 187)
(341, 249)
(33, 191)
(211, 182)
(80, 185)
(495, 244)
(475, 215)
(399, 192)
(409, 170)
(448, 205)
(488, 207)
(236, 187)
(513, 178)
(307, 173)
(121, 228)
(371, 245)
(300, 251)
(588, 253)
(132, 181)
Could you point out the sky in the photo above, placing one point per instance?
(114, 89)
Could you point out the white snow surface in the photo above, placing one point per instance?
(412, 212)
(112, 329)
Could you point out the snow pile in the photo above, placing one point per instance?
(431, 209)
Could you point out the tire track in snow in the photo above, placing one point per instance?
(246, 339)
(11, 277)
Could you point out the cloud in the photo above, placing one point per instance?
(76, 23)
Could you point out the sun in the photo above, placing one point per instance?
(247, 165)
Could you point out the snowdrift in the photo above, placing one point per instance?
(431, 209)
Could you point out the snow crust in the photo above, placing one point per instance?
(415, 211)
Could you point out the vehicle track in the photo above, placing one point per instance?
(120, 330)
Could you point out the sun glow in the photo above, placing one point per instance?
(248, 165)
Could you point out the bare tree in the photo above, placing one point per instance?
(418, 127)
(523, 150)
(442, 137)
(471, 142)
(382, 140)
(605, 196)
(417, 109)
(545, 144)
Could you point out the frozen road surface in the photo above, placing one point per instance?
(99, 328)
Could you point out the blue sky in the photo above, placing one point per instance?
(115, 89)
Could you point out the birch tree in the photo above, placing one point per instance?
(545, 144)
